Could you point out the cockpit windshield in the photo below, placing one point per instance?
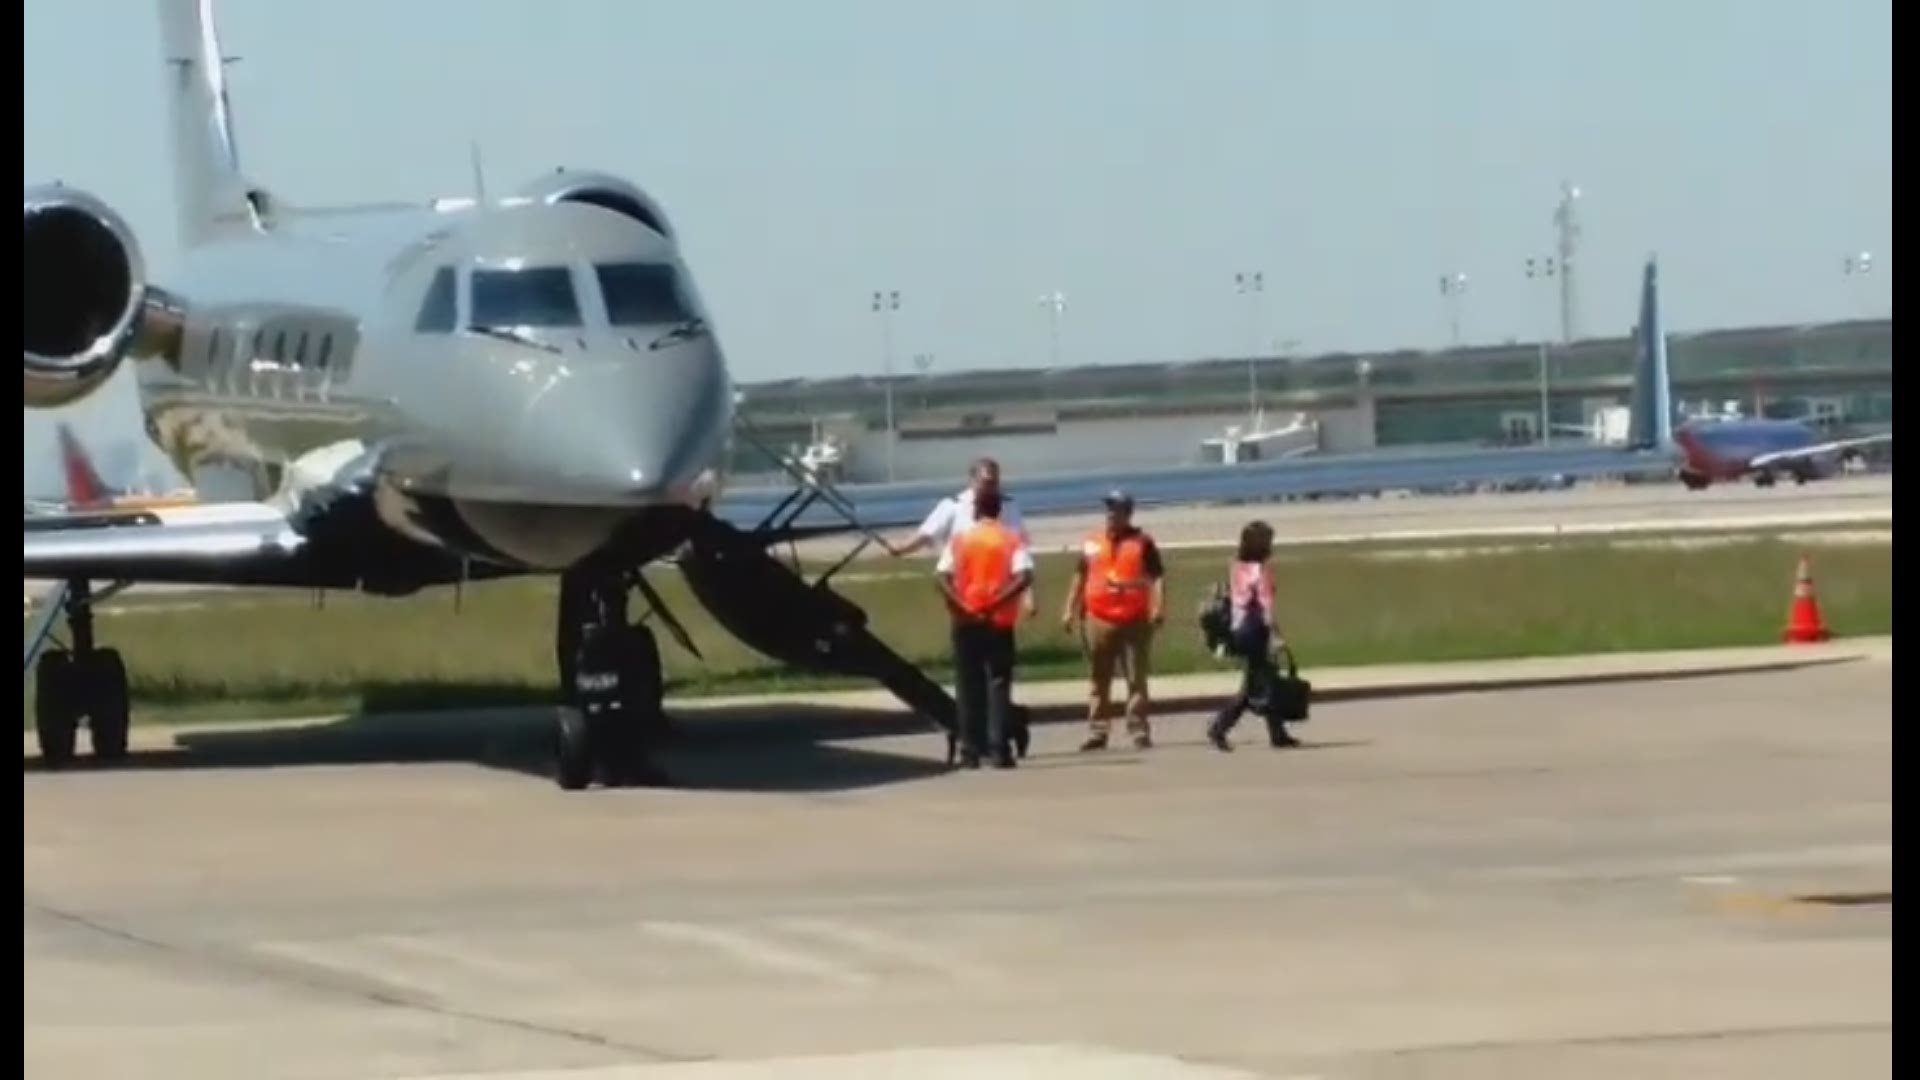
(644, 294)
(539, 296)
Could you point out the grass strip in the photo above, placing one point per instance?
(255, 655)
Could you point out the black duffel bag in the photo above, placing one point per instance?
(1288, 695)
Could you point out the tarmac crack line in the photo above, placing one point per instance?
(311, 978)
(1859, 1027)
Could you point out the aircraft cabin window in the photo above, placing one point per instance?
(643, 294)
(537, 297)
(437, 310)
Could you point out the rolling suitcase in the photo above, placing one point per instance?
(1020, 734)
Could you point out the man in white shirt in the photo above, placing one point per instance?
(953, 515)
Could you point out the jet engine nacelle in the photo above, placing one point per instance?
(88, 304)
(602, 190)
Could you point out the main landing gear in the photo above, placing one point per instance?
(612, 687)
(79, 682)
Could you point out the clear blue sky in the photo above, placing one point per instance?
(1132, 154)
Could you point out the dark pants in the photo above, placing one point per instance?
(983, 662)
(1252, 641)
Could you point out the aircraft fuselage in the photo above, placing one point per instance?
(1726, 449)
(522, 380)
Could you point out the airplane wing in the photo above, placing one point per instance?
(1802, 453)
(235, 543)
(331, 540)
(239, 544)
(886, 506)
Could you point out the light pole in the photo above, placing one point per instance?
(1452, 287)
(1545, 269)
(1858, 265)
(885, 303)
(1566, 224)
(1055, 303)
(923, 363)
(1252, 284)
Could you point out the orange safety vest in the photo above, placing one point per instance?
(982, 566)
(1118, 589)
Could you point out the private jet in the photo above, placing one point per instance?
(457, 390)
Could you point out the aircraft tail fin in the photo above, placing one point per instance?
(210, 193)
(85, 487)
(1650, 424)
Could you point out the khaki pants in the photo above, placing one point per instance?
(1129, 647)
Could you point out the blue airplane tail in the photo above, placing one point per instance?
(1650, 421)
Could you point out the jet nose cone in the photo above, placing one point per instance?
(637, 429)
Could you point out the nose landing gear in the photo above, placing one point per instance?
(612, 688)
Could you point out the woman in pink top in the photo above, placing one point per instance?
(1254, 635)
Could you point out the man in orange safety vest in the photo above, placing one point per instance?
(1119, 596)
(982, 573)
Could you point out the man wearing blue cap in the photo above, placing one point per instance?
(1119, 596)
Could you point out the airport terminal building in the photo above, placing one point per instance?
(1837, 375)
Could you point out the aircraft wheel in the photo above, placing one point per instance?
(627, 735)
(622, 745)
(644, 683)
(108, 712)
(573, 750)
(56, 713)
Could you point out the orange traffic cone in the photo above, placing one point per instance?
(1803, 618)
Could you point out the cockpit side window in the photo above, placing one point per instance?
(542, 296)
(437, 310)
(644, 294)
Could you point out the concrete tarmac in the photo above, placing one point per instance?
(1641, 507)
(1688, 877)
(1841, 501)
